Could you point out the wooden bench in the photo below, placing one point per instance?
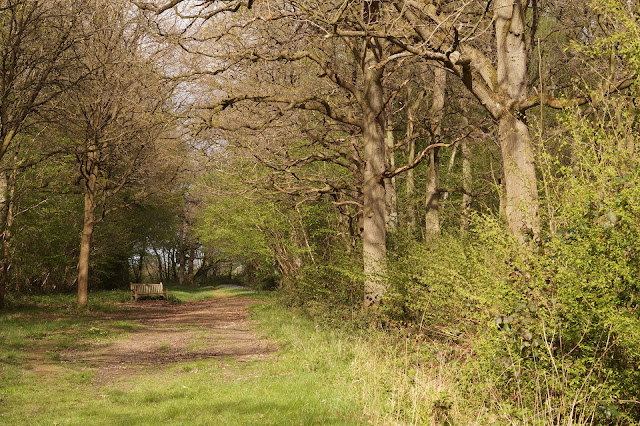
(138, 290)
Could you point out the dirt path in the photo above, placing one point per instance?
(167, 333)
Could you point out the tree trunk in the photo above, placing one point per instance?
(8, 189)
(181, 254)
(411, 156)
(410, 188)
(374, 232)
(168, 270)
(5, 204)
(174, 266)
(520, 184)
(192, 255)
(143, 253)
(432, 196)
(90, 186)
(391, 197)
(466, 186)
(521, 188)
(6, 208)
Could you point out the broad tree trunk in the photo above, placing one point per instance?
(521, 188)
(432, 196)
(90, 185)
(391, 197)
(374, 231)
(520, 184)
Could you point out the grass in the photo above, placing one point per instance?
(319, 375)
(308, 382)
(182, 294)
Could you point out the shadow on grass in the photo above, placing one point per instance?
(65, 303)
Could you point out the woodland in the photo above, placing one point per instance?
(458, 178)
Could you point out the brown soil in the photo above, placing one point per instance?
(172, 333)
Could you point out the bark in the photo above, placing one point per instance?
(452, 162)
(432, 196)
(374, 231)
(520, 184)
(90, 185)
(391, 197)
(6, 141)
(4, 193)
(7, 234)
(466, 186)
(251, 273)
(8, 189)
(4, 200)
(521, 188)
(174, 266)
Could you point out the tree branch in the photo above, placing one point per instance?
(391, 173)
(563, 103)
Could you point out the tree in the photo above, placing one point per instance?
(366, 94)
(36, 53)
(114, 117)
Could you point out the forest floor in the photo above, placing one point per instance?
(223, 357)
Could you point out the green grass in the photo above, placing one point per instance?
(307, 382)
(191, 294)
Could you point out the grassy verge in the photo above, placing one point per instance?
(393, 378)
(308, 382)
